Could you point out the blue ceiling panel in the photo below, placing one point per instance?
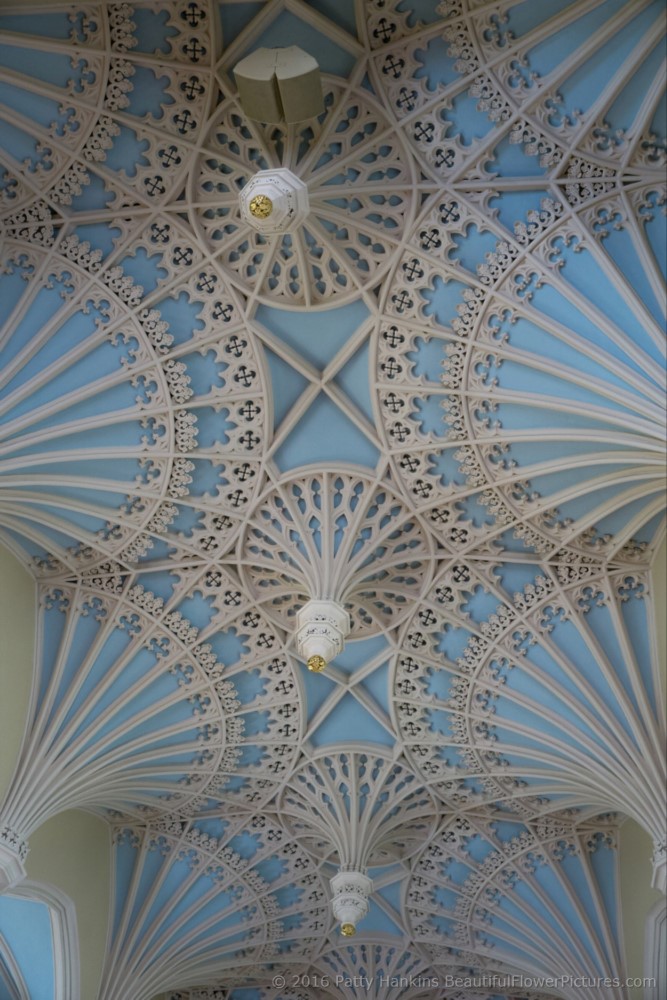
(420, 380)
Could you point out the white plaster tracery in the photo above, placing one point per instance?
(493, 211)
(478, 919)
(358, 808)
(123, 726)
(344, 243)
(568, 758)
(335, 534)
(137, 957)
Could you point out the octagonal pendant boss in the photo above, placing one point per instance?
(274, 201)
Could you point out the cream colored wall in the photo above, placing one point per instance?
(659, 574)
(73, 852)
(637, 896)
(70, 851)
(17, 643)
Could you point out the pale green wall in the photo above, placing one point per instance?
(73, 852)
(637, 896)
(659, 571)
(70, 851)
(17, 642)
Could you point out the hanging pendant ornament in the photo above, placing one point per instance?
(274, 201)
(333, 553)
(349, 902)
(321, 243)
(322, 627)
(356, 808)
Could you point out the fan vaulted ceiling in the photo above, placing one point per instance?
(439, 399)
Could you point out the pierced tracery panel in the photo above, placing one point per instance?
(228, 897)
(141, 711)
(534, 900)
(335, 535)
(523, 385)
(524, 685)
(586, 77)
(519, 363)
(88, 118)
(358, 174)
(380, 970)
(358, 808)
(133, 415)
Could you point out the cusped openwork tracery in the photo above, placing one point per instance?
(357, 173)
(483, 197)
(379, 970)
(531, 899)
(523, 385)
(90, 121)
(520, 355)
(358, 808)
(133, 416)
(339, 535)
(141, 711)
(227, 898)
(475, 82)
(536, 696)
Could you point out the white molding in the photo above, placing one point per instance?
(65, 936)
(12, 870)
(655, 951)
(16, 986)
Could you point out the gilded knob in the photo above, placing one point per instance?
(261, 206)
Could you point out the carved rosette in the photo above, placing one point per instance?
(347, 239)
(274, 201)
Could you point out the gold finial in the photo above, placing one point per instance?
(317, 665)
(261, 206)
(348, 930)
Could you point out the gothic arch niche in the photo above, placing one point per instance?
(52, 968)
